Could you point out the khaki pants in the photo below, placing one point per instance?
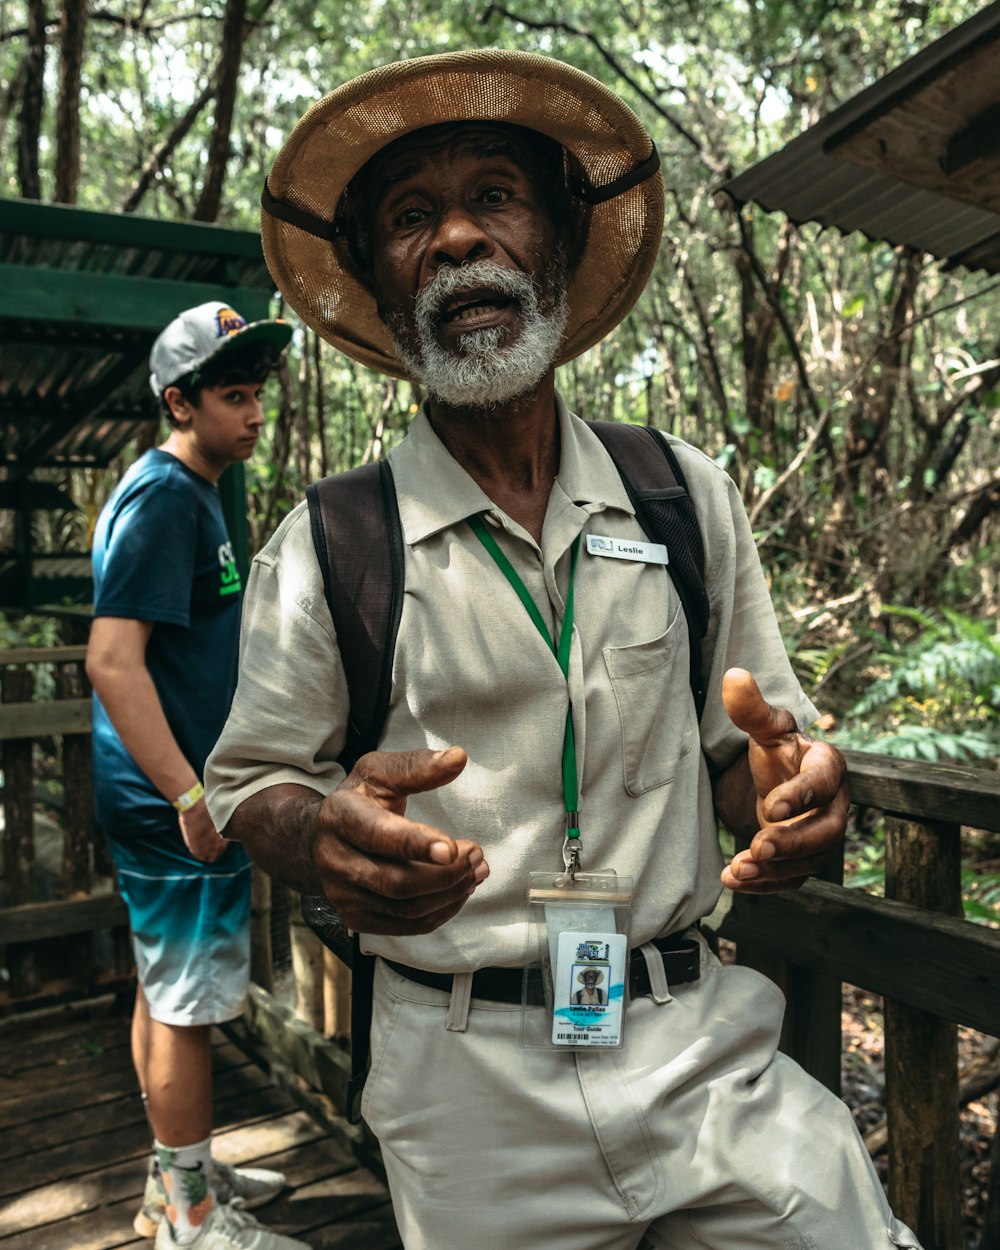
(697, 1135)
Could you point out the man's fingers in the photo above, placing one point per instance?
(762, 885)
(820, 782)
(749, 710)
(414, 913)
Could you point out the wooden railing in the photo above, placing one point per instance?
(934, 969)
(41, 964)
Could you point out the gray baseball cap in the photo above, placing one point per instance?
(202, 333)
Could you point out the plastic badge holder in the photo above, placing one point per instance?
(575, 986)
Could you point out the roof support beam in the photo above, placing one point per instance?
(115, 301)
(124, 230)
(980, 140)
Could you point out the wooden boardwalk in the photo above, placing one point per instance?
(74, 1142)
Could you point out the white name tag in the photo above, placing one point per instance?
(626, 549)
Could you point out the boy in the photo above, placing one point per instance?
(162, 660)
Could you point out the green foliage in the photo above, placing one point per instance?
(938, 695)
(981, 896)
(864, 869)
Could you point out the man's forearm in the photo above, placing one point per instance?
(736, 798)
(277, 827)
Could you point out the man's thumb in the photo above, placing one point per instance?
(392, 775)
(749, 710)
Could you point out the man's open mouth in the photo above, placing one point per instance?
(471, 305)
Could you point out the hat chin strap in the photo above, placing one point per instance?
(583, 190)
(329, 230)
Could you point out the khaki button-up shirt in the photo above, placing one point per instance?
(471, 669)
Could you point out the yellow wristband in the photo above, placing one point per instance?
(188, 800)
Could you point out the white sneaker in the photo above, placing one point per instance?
(228, 1228)
(254, 1186)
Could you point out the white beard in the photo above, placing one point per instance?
(485, 373)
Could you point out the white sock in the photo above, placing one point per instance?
(185, 1171)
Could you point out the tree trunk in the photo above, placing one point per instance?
(72, 29)
(32, 96)
(228, 78)
(11, 97)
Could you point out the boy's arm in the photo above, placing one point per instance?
(116, 666)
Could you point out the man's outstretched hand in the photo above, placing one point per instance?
(382, 872)
(801, 793)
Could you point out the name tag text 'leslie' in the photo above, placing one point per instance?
(626, 549)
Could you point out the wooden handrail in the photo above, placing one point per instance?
(38, 720)
(962, 794)
(941, 964)
(42, 655)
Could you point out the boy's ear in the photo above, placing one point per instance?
(180, 409)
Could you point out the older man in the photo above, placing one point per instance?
(471, 221)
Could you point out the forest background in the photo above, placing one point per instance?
(851, 389)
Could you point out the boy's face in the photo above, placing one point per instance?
(225, 423)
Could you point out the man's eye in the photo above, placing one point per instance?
(495, 195)
(409, 217)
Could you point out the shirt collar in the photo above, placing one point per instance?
(435, 492)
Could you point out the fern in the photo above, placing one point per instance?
(939, 697)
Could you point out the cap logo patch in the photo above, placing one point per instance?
(229, 322)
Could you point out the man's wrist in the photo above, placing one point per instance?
(184, 802)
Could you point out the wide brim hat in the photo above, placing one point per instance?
(303, 233)
(581, 976)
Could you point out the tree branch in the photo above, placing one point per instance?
(720, 169)
(163, 150)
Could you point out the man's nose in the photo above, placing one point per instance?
(255, 416)
(460, 236)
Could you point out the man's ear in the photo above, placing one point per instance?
(180, 408)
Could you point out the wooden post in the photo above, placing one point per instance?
(19, 832)
(307, 966)
(923, 868)
(991, 1224)
(78, 791)
(336, 997)
(261, 967)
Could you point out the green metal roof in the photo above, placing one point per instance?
(82, 297)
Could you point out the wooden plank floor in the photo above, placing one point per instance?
(74, 1143)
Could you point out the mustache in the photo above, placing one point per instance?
(452, 280)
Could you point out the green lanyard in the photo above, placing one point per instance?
(560, 649)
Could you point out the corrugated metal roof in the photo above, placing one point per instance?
(874, 165)
(82, 296)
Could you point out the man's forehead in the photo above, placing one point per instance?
(485, 139)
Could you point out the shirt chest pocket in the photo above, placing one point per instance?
(651, 686)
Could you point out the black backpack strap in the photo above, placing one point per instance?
(358, 539)
(356, 531)
(658, 490)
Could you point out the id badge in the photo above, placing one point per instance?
(576, 961)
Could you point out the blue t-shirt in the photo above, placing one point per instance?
(161, 553)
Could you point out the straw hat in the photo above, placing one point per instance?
(303, 236)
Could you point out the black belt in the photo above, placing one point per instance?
(681, 956)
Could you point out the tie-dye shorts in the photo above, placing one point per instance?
(190, 927)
